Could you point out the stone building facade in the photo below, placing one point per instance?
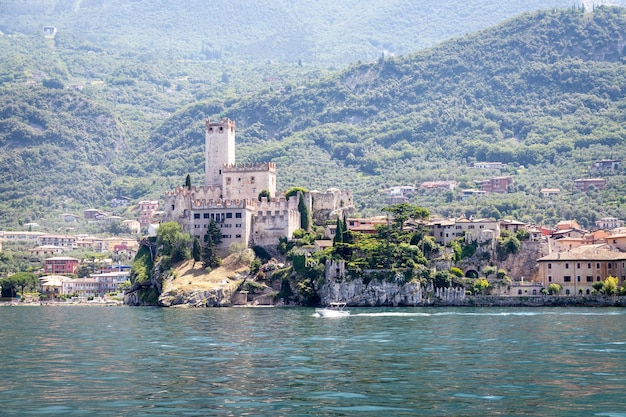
(230, 196)
(578, 269)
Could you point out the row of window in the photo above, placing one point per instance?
(588, 278)
(223, 225)
(218, 216)
(609, 265)
(230, 236)
(228, 180)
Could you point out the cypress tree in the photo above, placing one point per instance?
(338, 233)
(304, 213)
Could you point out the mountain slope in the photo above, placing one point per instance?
(281, 30)
(544, 90)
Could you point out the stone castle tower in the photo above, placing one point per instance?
(219, 149)
(230, 196)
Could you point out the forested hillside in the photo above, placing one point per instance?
(323, 32)
(100, 110)
(543, 93)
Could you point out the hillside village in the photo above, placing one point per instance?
(243, 202)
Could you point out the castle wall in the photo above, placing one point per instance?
(178, 202)
(274, 219)
(248, 180)
(230, 197)
(330, 204)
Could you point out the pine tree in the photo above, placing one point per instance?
(212, 239)
(304, 213)
(338, 233)
(196, 252)
(347, 236)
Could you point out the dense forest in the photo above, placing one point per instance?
(85, 119)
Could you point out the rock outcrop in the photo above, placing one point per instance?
(218, 297)
(382, 293)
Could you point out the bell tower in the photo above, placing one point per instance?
(219, 149)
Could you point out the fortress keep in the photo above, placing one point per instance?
(230, 197)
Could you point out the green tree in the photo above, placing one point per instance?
(554, 289)
(212, 239)
(610, 285)
(338, 238)
(443, 279)
(522, 234)
(480, 285)
(54, 83)
(173, 242)
(506, 245)
(402, 212)
(489, 270)
(456, 250)
(295, 190)
(304, 213)
(188, 182)
(264, 193)
(196, 251)
(22, 280)
(598, 286)
(458, 272)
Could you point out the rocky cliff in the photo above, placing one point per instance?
(192, 285)
(376, 292)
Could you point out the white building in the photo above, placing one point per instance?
(608, 223)
(230, 196)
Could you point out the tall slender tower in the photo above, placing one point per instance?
(219, 149)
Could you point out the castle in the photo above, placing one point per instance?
(230, 197)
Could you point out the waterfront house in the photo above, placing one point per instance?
(578, 269)
(52, 285)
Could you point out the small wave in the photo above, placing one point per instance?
(368, 408)
(479, 397)
(328, 395)
(393, 314)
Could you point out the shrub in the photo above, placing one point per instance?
(457, 272)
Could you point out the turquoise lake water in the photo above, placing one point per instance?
(123, 361)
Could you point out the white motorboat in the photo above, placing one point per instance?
(333, 310)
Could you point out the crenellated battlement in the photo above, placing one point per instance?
(184, 191)
(250, 167)
(278, 204)
(221, 204)
(215, 125)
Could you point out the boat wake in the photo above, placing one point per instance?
(495, 313)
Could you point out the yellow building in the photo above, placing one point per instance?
(578, 269)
